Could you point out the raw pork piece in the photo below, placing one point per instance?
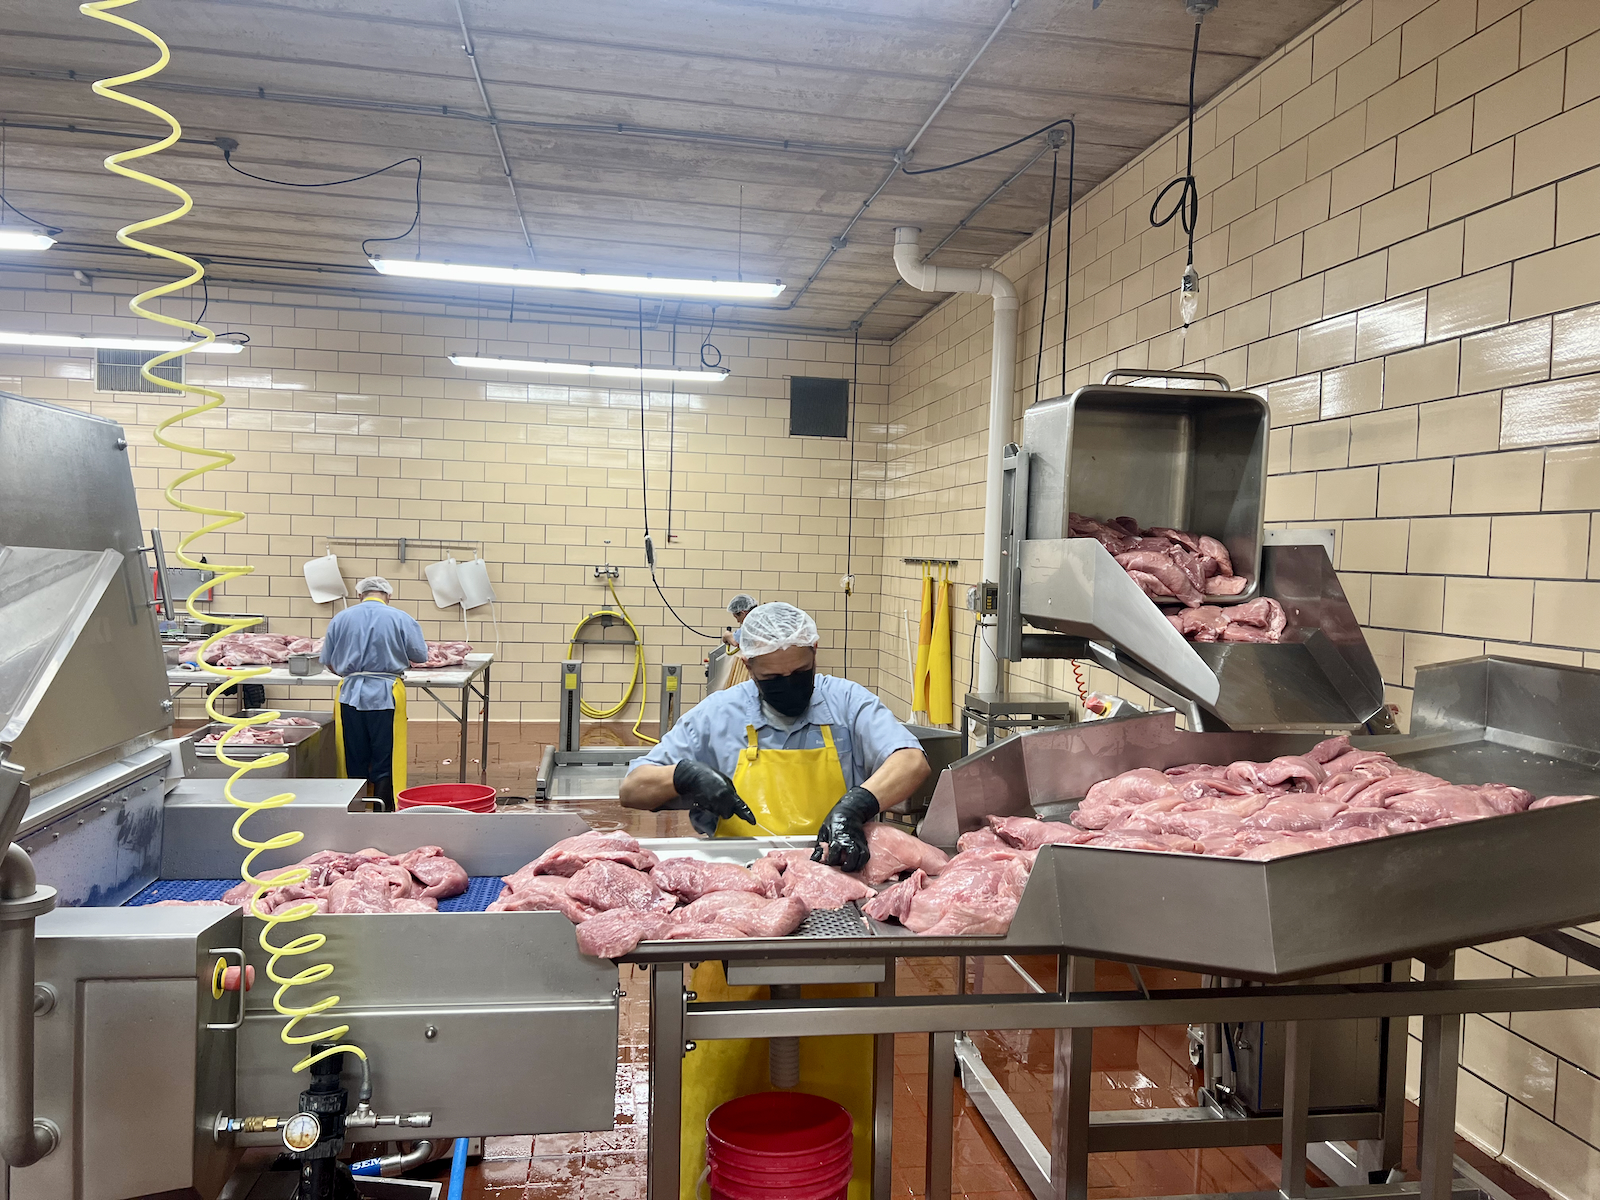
(1264, 612)
(1225, 585)
(571, 855)
(615, 933)
(1247, 633)
(1329, 749)
(1146, 841)
(246, 737)
(290, 723)
(1128, 790)
(1429, 805)
(894, 903)
(981, 839)
(703, 931)
(1171, 576)
(770, 873)
(1291, 814)
(445, 654)
(754, 916)
(1029, 833)
(690, 878)
(606, 885)
(441, 877)
(1503, 799)
(374, 888)
(894, 850)
(819, 886)
(1217, 552)
(1291, 770)
(1381, 791)
(1554, 801)
(1204, 624)
(1148, 584)
(977, 894)
(547, 893)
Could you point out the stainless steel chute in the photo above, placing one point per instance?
(1191, 459)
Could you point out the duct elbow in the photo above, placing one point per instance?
(908, 258)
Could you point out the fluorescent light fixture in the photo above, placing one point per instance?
(73, 342)
(605, 370)
(577, 281)
(25, 239)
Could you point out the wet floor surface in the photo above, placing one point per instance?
(1145, 1067)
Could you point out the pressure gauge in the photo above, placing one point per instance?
(301, 1131)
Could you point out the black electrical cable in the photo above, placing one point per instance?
(1066, 273)
(705, 344)
(850, 495)
(672, 422)
(49, 229)
(987, 153)
(644, 479)
(416, 217)
(1187, 206)
(1044, 298)
(205, 303)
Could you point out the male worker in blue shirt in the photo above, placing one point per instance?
(794, 754)
(372, 645)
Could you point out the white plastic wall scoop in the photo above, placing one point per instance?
(444, 579)
(324, 580)
(475, 587)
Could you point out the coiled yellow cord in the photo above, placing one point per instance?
(220, 518)
(637, 680)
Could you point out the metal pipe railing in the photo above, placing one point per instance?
(24, 1140)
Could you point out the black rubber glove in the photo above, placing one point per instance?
(842, 840)
(710, 794)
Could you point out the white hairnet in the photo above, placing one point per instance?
(374, 583)
(773, 627)
(741, 604)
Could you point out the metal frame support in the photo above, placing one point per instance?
(667, 999)
(883, 1097)
(1013, 529)
(1069, 1134)
(671, 698)
(939, 1175)
(1296, 1106)
(568, 736)
(1436, 1131)
(1383, 1155)
(24, 1138)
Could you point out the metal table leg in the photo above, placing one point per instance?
(883, 1098)
(1069, 1134)
(937, 1181)
(666, 1081)
(1436, 1133)
(466, 701)
(1383, 1155)
(1296, 1106)
(483, 721)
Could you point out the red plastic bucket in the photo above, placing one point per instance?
(468, 797)
(779, 1146)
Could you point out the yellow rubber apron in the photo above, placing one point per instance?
(397, 758)
(789, 791)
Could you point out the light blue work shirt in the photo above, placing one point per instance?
(865, 732)
(372, 636)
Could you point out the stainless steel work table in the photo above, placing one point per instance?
(471, 680)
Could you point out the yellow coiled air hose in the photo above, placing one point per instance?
(218, 519)
(636, 680)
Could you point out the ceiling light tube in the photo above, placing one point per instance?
(25, 239)
(604, 370)
(73, 342)
(577, 281)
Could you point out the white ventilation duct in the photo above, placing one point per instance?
(1002, 387)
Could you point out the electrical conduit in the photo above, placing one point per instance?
(1002, 386)
(219, 518)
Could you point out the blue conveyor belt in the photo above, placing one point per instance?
(481, 891)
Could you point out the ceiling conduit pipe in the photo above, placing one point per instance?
(1002, 387)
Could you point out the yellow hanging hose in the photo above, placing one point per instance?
(220, 518)
(636, 680)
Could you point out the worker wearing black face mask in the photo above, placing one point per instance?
(791, 752)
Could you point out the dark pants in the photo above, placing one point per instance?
(369, 749)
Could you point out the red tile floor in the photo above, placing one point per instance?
(1133, 1068)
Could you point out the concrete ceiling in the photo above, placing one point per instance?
(693, 137)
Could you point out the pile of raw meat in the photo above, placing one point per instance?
(620, 894)
(270, 649)
(446, 654)
(1259, 620)
(368, 881)
(250, 649)
(1168, 564)
(1330, 796)
(252, 736)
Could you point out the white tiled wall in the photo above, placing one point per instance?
(1399, 241)
(347, 421)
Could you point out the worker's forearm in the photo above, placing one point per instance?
(901, 774)
(647, 787)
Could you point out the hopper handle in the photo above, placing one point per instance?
(217, 987)
(1136, 373)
